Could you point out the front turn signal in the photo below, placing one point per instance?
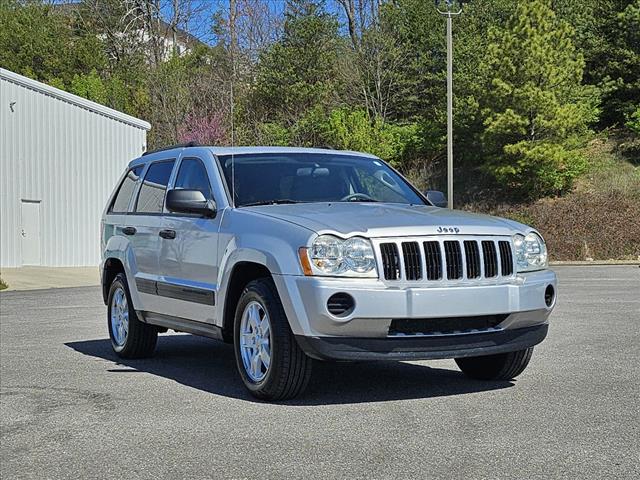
(304, 261)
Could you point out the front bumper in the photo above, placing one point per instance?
(377, 303)
(423, 348)
(365, 332)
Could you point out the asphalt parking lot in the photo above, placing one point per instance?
(71, 409)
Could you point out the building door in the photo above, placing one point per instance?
(30, 232)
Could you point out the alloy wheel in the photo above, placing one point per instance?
(255, 341)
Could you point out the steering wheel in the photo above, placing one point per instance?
(352, 197)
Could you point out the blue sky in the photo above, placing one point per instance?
(200, 23)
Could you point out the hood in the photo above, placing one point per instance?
(387, 220)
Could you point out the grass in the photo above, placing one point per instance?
(3, 285)
(611, 170)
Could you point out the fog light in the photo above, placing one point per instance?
(340, 304)
(549, 295)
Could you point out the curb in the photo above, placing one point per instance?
(594, 263)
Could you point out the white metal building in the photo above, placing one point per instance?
(60, 157)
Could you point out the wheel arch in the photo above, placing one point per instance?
(241, 274)
(118, 257)
(111, 268)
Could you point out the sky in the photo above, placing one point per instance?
(200, 22)
(200, 25)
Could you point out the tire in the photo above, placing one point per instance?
(289, 368)
(137, 340)
(503, 366)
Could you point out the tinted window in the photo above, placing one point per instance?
(314, 177)
(121, 202)
(151, 196)
(193, 176)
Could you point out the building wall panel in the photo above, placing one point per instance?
(66, 153)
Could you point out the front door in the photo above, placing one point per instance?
(188, 253)
(30, 233)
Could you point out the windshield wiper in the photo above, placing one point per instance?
(280, 201)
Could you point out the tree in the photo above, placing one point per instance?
(190, 89)
(624, 67)
(89, 86)
(39, 41)
(299, 72)
(608, 35)
(353, 129)
(535, 109)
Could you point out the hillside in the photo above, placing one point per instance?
(600, 218)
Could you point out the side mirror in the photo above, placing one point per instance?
(437, 198)
(190, 201)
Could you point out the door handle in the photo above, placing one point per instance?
(129, 230)
(168, 234)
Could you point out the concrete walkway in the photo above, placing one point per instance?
(36, 278)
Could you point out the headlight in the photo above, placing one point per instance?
(531, 252)
(330, 255)
(358, 255)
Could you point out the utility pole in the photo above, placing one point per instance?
(453, 8)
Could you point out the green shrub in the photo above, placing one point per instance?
(353, 129)
(273, 134)
(633, 121)
(89, 86)
(539, 168)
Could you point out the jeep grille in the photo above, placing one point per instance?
(448, 259)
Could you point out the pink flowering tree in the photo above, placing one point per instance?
(208, 130)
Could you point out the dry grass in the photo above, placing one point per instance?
(609, 171)
(585, 226)
(3, 285)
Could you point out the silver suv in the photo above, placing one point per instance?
(295, 254)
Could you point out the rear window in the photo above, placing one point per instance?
(123, 197)
(154, 186)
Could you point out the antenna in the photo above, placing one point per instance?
(233, 144)
(232, 48)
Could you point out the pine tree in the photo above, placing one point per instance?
(298, 72)
(535, 108)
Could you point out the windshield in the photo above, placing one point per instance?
(267, 178)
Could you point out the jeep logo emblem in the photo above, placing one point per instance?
(448, 230)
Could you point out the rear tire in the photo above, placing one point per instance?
(503, 366)
(130, 338)
(289, 368)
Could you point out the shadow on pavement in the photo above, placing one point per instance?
(210, 366)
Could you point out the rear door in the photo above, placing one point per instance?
(145, 223)
(118, 221)
(188, 251)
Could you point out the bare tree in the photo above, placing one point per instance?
(248, 26)
(349, 7)
(118, 24)
(377, 56)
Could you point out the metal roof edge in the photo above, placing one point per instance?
(73, 99)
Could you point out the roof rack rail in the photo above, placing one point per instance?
(171, 147)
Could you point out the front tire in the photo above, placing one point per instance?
(130, 338)
(503, 366)
(269, 360)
